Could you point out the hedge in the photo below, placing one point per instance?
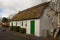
(18, 29)
(23, 30)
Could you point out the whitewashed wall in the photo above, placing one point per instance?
(46, 22)
(24, 24)
(28, 27)
(10, 23)
(37, 27)
(14, 23)
(19, 23)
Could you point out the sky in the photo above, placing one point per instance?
(10, 7)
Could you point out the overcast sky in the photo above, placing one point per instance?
(8, 7)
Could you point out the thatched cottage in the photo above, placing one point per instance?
(36, 19)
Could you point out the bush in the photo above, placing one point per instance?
(23, 30)
(11, 28)
(15, 28)
(18, 29)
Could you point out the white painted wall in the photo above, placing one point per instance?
(37, 27)
(46, 22)
(28, 27)
(24, 24)
(14, 23)
(19, 23)
(10, 23)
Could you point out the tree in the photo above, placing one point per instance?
(4, 19)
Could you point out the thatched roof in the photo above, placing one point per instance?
(31, 13)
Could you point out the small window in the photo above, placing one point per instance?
(22, 23)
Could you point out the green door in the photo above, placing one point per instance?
(32, 28)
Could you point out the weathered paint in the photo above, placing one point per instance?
(46, 21)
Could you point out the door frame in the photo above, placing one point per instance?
(32, 27)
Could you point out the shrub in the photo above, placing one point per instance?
(11, 28)
(15, 28)
(18, 29)
(23, 30)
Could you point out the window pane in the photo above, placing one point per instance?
(22, 23)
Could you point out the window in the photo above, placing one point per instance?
(22, 23)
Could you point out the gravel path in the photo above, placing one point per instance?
(16, 36)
